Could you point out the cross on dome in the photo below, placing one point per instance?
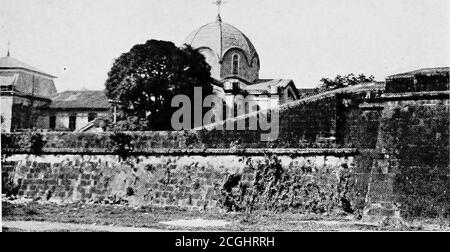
(219, 4)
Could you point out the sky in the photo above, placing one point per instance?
(303, 40)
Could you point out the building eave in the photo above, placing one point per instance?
(23, 95)
(28, 70)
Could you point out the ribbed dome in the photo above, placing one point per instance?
(221, 37)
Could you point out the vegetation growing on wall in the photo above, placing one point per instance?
(300, 189)
(417, 139)
(344, 81)
(30, 141)
(9, 187)
(37, 142)
(122, 144)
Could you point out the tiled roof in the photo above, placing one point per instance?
(266, 84)
(433, 70)
(80, 100)
(12, 63)
(305, 92)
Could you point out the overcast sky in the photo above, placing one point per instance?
(304, 40)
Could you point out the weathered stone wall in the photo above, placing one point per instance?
(301, 124)
(398, 136)
(414, 139)
(78, 162)
(192, 181)
(410, 172)
(309, 122)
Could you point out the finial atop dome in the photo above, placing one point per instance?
(219, 4)
(8, 54)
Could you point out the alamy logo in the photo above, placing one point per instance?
(249, 113)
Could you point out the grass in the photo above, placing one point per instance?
(149, 217)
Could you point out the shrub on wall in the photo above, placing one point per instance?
(9, 187)
(122, 144)
(417, 139)
(300, 189)
(8, 142)
(37, 142)
(29, 141)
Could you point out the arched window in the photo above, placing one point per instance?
(235, 64)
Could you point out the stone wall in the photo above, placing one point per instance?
(415, 170)
(398, 137)
(312, 121)
(301, 125)
(410, 171)
(191, 181)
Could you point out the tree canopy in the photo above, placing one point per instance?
(344, 81)
(144, 80)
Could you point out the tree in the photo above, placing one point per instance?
(144, 80)
(344, 81)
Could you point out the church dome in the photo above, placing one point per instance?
(220, 43)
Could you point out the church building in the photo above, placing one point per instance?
(235, 64)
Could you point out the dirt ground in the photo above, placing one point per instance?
(50, 217)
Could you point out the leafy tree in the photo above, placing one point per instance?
(344, 81)
(144, 80)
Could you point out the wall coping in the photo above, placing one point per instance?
(426, 95)
(194, 152)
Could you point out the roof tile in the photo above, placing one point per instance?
(80, 100)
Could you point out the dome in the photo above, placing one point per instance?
(219, 41)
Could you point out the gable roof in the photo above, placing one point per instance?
(80, 100)
(9, 62)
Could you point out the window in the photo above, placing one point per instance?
(92, 116)
(72, 122)
(236, 86)
(52, 122)
(235, 64)
(7, 88)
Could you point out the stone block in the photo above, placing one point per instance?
(85, 182)
(196, 196)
